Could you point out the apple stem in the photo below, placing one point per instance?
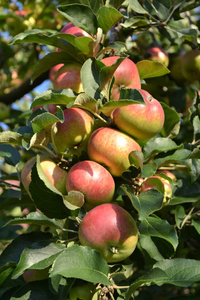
(100, 118)
(114, 250)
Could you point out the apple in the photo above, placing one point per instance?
(70, 28)
(55, 175)
(160, 183)
(96, 183)
(141, 121)
(176, 72)
(74, 132)
(4, 111)
(111, 148)
(191, 65)
(50, 107)
(158, 54)
(35, 275)
(111, 230)
(81, 292)
(126, 75)
(68, 76)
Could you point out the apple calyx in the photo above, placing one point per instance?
(114, 250)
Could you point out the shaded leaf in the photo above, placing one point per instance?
(108, 17)
(10, 154)
(10, 137)
(150, 69)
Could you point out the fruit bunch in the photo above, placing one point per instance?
(91, 152)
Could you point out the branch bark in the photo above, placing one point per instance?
(23, 89)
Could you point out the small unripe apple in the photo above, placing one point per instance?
(111, 230)
(126, 75)
(96, 183)
(74, 131)
(158, 54)
(55, 175)
(191, 65)
(141, 121)
(81, 292)
(4, 111)
(176, 72)
(111, 148)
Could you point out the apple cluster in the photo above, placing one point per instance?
(106, 226)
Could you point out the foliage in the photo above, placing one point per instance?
(40, 231)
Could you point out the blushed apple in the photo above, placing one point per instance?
(70, 28)
(111, 148)
(74, 131)
(111, 230)
(158, 54)
(141, 121)
(126, 75)
(96, 183)
(56, 175)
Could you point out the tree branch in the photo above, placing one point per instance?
(23, 89)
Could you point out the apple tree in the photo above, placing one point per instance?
(99, 149)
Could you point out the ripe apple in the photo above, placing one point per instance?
(74, 132)
(141, 121)
(158, 54)
(68, 76)
(70, 28)
(4, 111)
(126, 75)
(111, 230)
(96, 183)
(54, 173)
(191, 65)
(111, 148)
(81, 292)
(51, 108)
(35, 275)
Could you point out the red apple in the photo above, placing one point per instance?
(70, 28)
(51, 108)
(93, 180)
(55, 175)
(126, 76)
(141, 121)
(111, 148)
(111, 230)
(74, 131)
(67, 77)
(191, 65)
(158, 54)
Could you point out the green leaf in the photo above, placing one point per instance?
(136, 21)
(13, 251)
(114, 3)
(49, 97)
(136, 6)
(178, 271)
(146, 203)
(196, 225)
(108, 17)
(177, 200)
(155, 227)
(86, 102)
(10, 137)
(81, 16)
(179, 215)
(74, 200)
(46, 197)
(10, 154)
(83, 263)
(150, 69)
(172, 157)
(39, 255)
(35, 218)
(157, 145)
(43, 121)
(172, 122)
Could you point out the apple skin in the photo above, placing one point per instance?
(54, 173)
(191, 65)
(111, 230)
(35, 275)
(70, 28)
(74, 131)
(51, 108)
(4, 111)
(158, 54)
(176, 72)
(81, 292)
(111, 148)
(126, 75)
(96, 183)
(139, 120)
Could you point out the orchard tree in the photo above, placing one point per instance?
(99, 149)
